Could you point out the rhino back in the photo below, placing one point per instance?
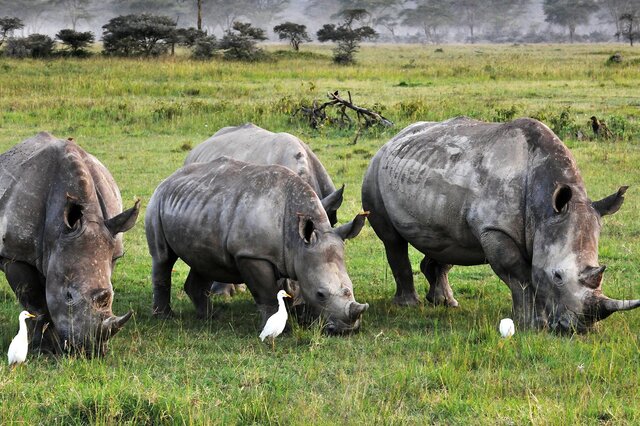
(442, 184)
(212, 213)
(253, 144)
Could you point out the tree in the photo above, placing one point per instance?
(569, 13)
(295, 33)
(263, 12)
(429, 17)
(205, 47)
(240, 43)
(138, 35)
(347, 37)
(629, 27)
(8, 25)
(76, 41)
(76, 10)
(224, 13)
(33, 46)
(612, 11)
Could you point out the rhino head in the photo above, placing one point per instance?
(78, 276)
(321, 273)
(565, 270)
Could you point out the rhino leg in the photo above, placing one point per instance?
(261, 282)
(506, 260)
(29, 286)
(161, 281)
(198, 288)
(398, 258)
(440, 292)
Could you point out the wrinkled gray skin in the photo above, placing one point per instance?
(256, 145)
(60, 223)
(464, 192)
(233, 221)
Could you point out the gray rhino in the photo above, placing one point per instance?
(464, 192)
(61, 221)
(239, 222)
(256, 145)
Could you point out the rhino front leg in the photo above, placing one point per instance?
(261, 282)
(29, 286)
(198, 288)
(506, 260)
(161, 281)
(440, 292)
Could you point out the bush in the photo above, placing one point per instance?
(240, 43)
(347, 37)
(76, 41)
(205, 47)
(139, 35)
(33, 46)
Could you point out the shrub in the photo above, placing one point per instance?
(347, 37)
(139, 35)
(76, 41)
(295, 33)
(240, 43)
(205, 47)
(33, 46)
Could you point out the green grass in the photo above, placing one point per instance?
(408, 365)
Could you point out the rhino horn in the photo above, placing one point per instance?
(113, 324)
(606, 306)
(356, 309)
(331, 203)
(124, 221)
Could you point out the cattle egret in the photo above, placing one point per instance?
(19, 346)
(276, 322)
(507, 328)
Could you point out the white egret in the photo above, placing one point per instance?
(276, 322)
(19, 346)
(507, 328)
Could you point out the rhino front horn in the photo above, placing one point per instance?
(113, 324)
(356, 309)
(608, 306)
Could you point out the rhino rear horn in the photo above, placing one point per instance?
(124, 221)
(353, 228)
(113, 324)
(610, 204)
(331, 203)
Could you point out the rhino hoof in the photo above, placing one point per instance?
(166, 313)
(441, 301)
(406, 300)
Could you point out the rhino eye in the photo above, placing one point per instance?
(320, 295)
(557, 277)
(69, 297)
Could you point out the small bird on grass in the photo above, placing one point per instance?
(507, 328)
(600, 128)
(19, 346)
(276, 322)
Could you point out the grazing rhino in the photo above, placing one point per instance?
(239, 222)
(61, 221)
(256, 145)
(464, 192)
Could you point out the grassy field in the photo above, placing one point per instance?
(408, 365)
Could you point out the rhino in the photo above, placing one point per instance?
(61, 225)
(464, 192)
(256, 145)
(234, 221)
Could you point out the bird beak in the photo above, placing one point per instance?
(30, 316)
(288, 295)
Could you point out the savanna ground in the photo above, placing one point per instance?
(407, 365)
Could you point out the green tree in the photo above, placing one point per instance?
(346, 35)
(8, 25)
(33, 46)
(138, 35)
(240, 42)
(76, 41)
(429, 17)
(629, 27)
(295, 33)
(569, 13)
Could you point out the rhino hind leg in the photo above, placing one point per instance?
(29, 286)
(161, 281)
(198, 288)
(440, 292)
(263, 285)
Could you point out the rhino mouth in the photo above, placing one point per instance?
(337, 327)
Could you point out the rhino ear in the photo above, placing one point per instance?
(72, 213)
(124, 221)
(353, 228)
(561, 197)
(332, 203)
(306, 228)
(610, 204)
